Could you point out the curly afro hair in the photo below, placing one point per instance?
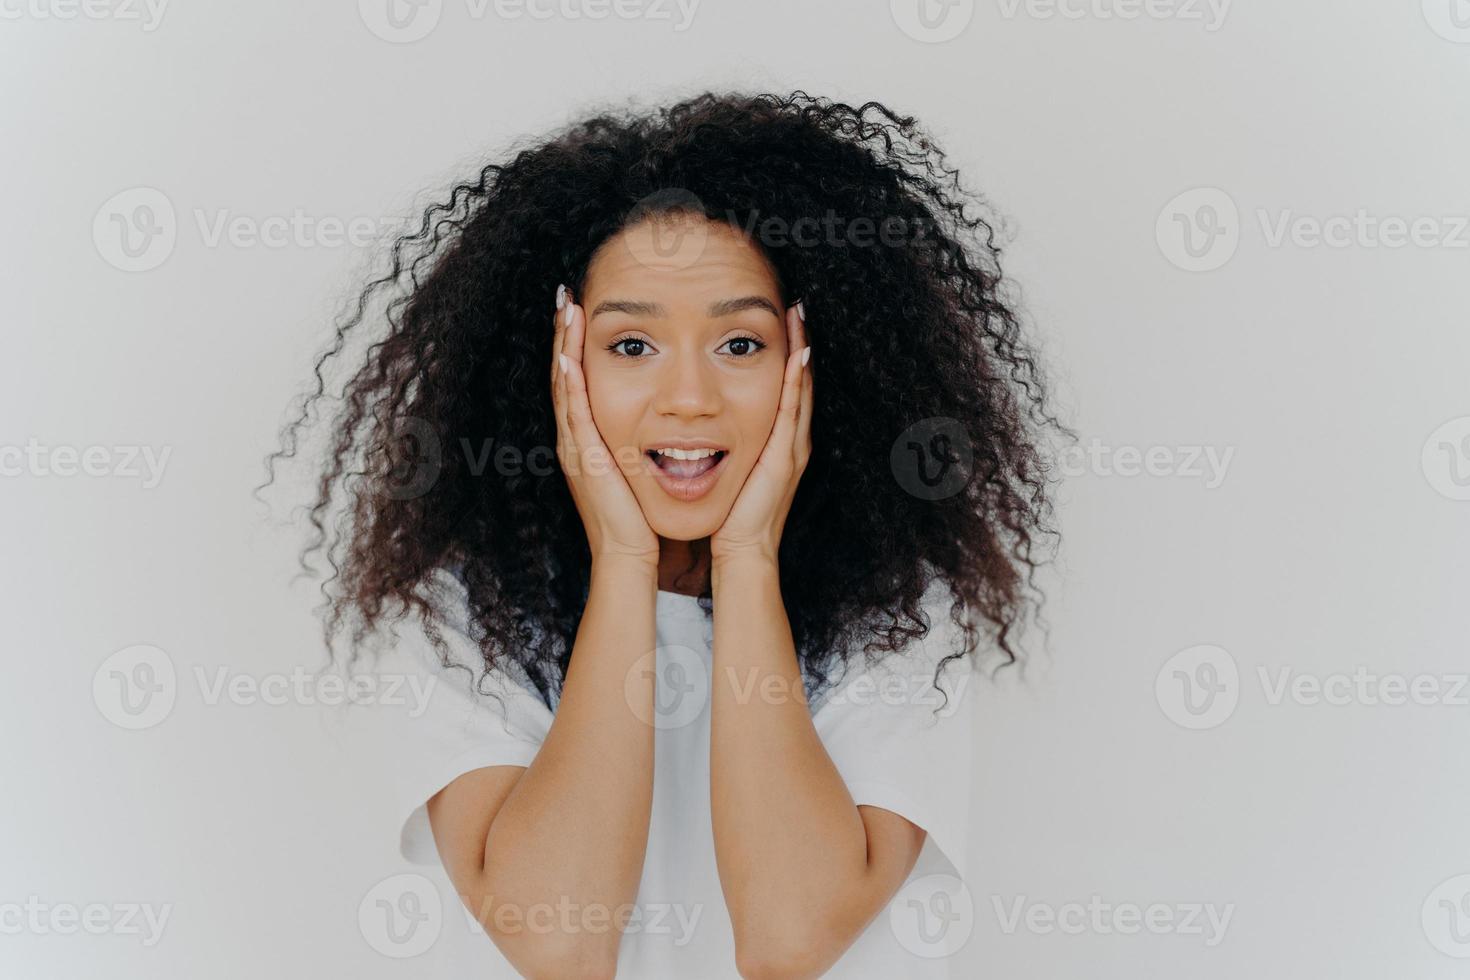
(928, 460)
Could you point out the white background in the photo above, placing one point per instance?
(1333, 541)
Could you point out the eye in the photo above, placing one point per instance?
(744, 346)
(629, 347)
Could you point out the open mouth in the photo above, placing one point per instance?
(687, 474)
(686, 464)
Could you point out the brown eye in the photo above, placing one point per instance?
(628, 347)
(743, 346)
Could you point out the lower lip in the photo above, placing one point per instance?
(687, 488)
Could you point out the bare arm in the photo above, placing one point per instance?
(803, 869)
(571, 829)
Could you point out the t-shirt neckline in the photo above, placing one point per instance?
(678, 602)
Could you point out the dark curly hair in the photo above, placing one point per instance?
(923, 366)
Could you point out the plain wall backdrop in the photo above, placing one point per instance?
(1239, 231)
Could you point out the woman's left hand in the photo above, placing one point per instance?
(755, 522)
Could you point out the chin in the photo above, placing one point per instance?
(685, 522)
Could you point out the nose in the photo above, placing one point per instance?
(687, 387)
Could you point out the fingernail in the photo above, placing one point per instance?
(801, 310)
(562, 360)
(806, 355)
(561, 295)
(567, 319)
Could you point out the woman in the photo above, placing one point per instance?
(722, 456)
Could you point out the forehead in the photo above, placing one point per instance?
(679, 254)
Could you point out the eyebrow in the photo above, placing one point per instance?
(724, 307)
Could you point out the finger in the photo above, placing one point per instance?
(579, 409)
(566, 442)
(574, 332)
(795, 327)
(804, 417)
(583, 427)
(558, 327)
(783, 433)
(796, 330)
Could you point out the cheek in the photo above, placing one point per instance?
(753, 406)
(616, 407)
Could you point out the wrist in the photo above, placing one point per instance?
(622, 564)
(742, 562)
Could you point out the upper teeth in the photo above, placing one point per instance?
(686, 453)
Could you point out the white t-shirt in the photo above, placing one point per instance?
(879, 726)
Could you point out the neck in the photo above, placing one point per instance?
(683, 566)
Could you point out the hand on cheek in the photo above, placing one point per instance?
(610, 513)
(754, 525)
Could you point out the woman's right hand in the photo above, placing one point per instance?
(614, 522)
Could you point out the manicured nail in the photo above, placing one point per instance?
(801, 310)
(561, 295)
(806, 355)
(562, 360)
(567, 319)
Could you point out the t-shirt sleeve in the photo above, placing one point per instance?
(903, 744)
(469, 719)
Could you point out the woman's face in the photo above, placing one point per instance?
(686, 347)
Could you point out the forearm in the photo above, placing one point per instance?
(575, 827)
(790, 844)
